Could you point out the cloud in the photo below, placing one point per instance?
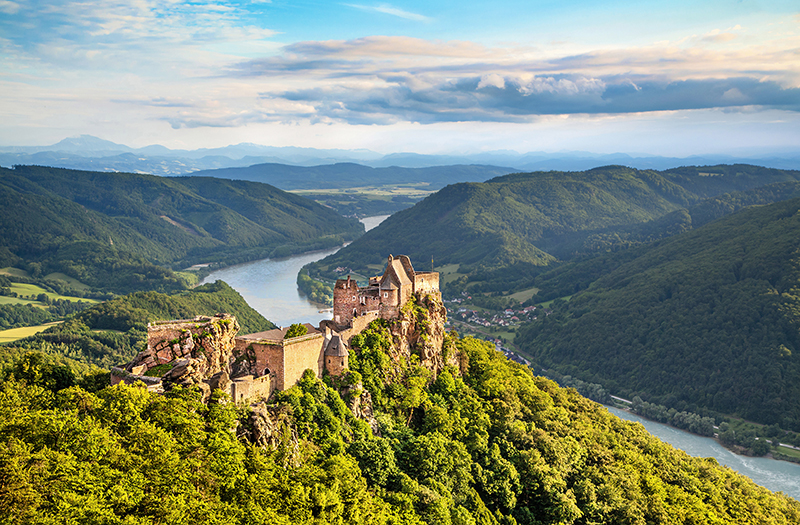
(391, 10)
(716, 35)
(383, 80)
(109, 34)
(8, 7)
(475, 99)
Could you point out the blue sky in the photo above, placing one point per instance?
(668, 78)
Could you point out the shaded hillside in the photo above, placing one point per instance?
(709, 319)
(92, 225)
(350, 175)
(114, 331)
(529, 220)
(574, 276)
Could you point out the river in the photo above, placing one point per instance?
(270, 286)
(775, 475)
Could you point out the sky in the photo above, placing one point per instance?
(674, 78)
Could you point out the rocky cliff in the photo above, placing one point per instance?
(187, 353)
(419, 330)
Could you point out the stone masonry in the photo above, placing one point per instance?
(208, 353)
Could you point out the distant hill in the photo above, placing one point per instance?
(115, 231)
(705, 320)
(350, 175)
(86, 152)
(527, 221)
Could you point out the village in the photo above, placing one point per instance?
(495, 326)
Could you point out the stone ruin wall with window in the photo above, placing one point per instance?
(207, 352)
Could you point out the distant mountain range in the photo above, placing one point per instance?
(91, 153)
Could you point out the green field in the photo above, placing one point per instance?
(413, 190)
(14, 272)
(524, 295)
(548, 303)
(786, 451)
(73, 283)
(7, 336)
(28, 290)
(17, 300)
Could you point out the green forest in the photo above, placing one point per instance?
(484, 443)
(704, 321)
(124, 232)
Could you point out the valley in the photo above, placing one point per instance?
(542, 263)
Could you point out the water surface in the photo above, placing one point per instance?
(270, 285)
(775, 475)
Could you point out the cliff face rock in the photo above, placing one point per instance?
(420, 330)
(269, 426)
(190, 352)
(359, 401)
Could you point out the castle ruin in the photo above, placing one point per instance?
(208, 353)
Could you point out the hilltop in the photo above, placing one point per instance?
(484, 443)
(121, 231)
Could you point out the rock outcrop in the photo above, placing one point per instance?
(419, 329)
(187, 353)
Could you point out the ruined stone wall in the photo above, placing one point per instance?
(262, 356)
(389, 311)
(301, 353)
(426, 282)
(345, 300)
(406, 262)
(249, 387)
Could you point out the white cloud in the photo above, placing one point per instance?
(8, 7)
(391, 10)
(493, 80)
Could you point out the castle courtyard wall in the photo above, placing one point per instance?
(302, 353)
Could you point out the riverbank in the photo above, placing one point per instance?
(776, 475)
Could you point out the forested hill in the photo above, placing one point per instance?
(486, 443)
(350, 175)
(705, 320)
(531, 219)
(113, 332)
(102, 227)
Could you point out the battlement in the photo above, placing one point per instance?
(384, 294)
(206, 351)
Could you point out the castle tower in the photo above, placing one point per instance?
(345, 301)
(336, 356)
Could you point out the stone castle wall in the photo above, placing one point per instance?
(335, 365)
(345, 300)
(426, 283)
(249, 387)
(302, 353)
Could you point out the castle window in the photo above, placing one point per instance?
(386, 294)
(354, 297)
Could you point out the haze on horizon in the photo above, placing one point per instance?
(675, 79)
